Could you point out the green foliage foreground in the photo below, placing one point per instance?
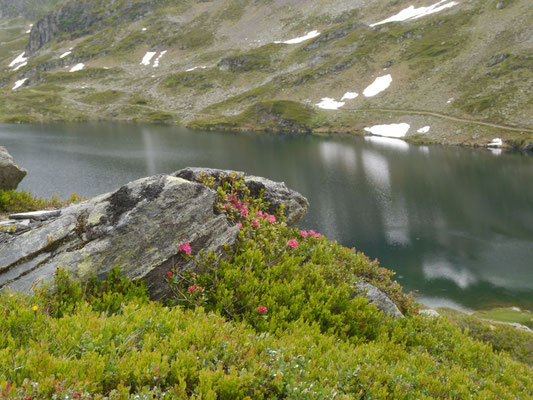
(276, 319)
(22, 201)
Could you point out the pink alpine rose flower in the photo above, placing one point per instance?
(303, 234)
(169, 274)
(239, 225)
(293, 243)
(185, 248)
(262, 310)
(318, 235)
(272, 219)
(312, 233)
(255, 222)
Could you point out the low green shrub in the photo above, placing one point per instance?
(142, 349)
(294, 274)
(22, 201)
(515, 342)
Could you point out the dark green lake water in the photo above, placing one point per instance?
(455, 224)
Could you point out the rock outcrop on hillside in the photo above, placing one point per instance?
(137, 228)
(10, 173)
(276, 193)
(79, 17)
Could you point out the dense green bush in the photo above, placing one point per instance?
(312, 280)
(145, 350)
(517, 343)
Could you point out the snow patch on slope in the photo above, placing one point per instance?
(411, 13)
(147, 59)
(390, 130)
(195, 68)
(20, 66)
(77, 67)
(307, 36)
(156, 62)
(330, 104)
(349, 96)
(19, 83)
(19, 60)
(379, 85)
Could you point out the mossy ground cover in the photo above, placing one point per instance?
(517, 343)
(507, 314)
(274, 115)
(105, 97)
(276, 318)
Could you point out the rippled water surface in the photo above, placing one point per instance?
(455, 224)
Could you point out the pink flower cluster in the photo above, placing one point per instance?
(311, 233)
(194, 288)
(293, 243)
(271, 218)
(262, 310)
(236, 204)
(185, 248)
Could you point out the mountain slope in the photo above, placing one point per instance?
(206, 62)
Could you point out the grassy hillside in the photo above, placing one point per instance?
(277, 318)
(451, 70)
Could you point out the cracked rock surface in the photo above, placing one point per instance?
(137, 228)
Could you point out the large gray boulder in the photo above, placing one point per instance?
(378, 298)
(137, 228)
(10, 173)
(276, 193)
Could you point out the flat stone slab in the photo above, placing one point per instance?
(37, 215)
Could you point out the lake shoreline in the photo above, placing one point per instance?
(460, 134)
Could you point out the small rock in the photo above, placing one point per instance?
(388, 64)
(496, 59)
(500, 5)
(10, 173)
(378, 298)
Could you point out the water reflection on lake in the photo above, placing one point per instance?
(455, 224)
